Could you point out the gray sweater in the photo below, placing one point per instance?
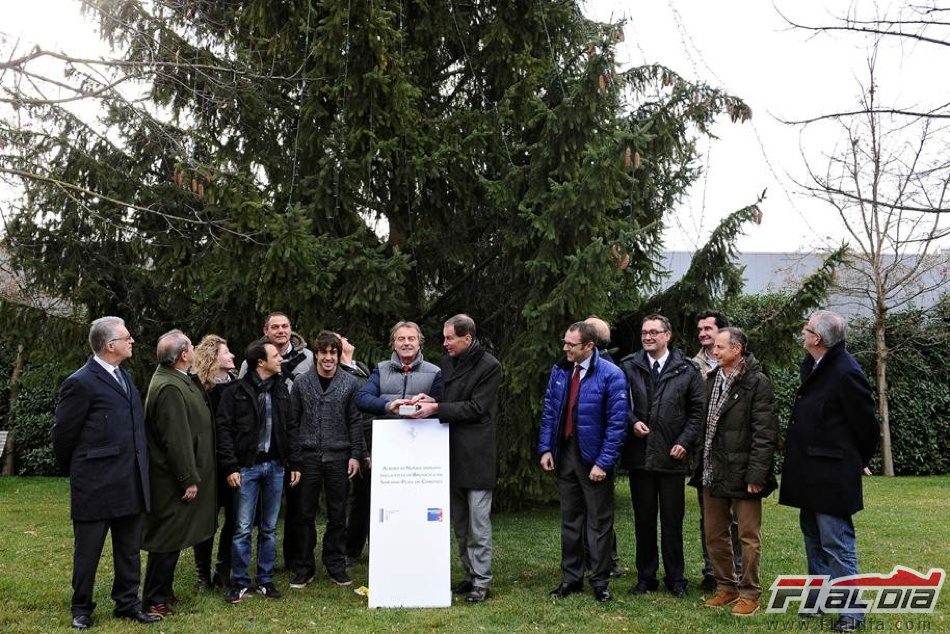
(328, 422)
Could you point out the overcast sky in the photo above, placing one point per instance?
(742, 46)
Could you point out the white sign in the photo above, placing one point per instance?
(409, 548)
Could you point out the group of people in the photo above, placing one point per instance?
(711, 418)
(295, 422)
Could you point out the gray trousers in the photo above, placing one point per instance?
(471, 519)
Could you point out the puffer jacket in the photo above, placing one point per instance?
(600, 417)
(673, 415)
(388, 383)
(743, 446)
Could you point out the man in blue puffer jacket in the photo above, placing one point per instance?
(582, 432)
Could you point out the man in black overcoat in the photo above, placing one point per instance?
(469, 405)
(832, 436)
(99, 440)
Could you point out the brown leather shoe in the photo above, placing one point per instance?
(722, 599)
(745, 607)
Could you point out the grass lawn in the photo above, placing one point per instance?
(907, 522)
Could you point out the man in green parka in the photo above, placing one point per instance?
(180, 432)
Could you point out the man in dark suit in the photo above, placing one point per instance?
(99, 440)
(832, 436)
(471, 378)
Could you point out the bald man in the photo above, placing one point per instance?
(602, 342)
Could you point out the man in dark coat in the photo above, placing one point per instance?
(471, 378)
(256, 442)
(832, 436)
(99, 441)
(583, 425)
(666, 410)
(737, 441)
(181, 455)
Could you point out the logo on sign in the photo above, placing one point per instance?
(435, 515)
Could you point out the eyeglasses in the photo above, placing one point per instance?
(125, 339)
(651, 333)
(807, 329)
(570, 345)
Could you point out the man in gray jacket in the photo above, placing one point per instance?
(405, 375)
(330, 432)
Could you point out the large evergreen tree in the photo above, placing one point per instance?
(356, 162)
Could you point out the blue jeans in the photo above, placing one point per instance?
(264, 481)
(830, 547)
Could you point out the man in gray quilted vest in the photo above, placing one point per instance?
(405, 374)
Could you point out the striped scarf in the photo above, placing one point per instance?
(722, 386)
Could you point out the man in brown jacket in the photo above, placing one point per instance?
(738, 438)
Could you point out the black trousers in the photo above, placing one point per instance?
(291, 505)
(89, 538)
(357, 522)
(587, 508)
(204, 550)
(652, 492)
(160, 578)
(330, 476)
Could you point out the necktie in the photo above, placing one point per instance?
(406, 368)
(572, 392)
(117, 373)
(656, 372)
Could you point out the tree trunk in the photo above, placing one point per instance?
(880, 349)
(18, 364)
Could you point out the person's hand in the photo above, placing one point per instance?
(367, 463)
(547, 461)
(190, 493)
(393, 406)
(352, 468)
(422, 398)
(234, 480)
(294, 478)
(754, 489)
(426, 409)
(677, 452)
(597, 474)
(640, 429)
(867, 471)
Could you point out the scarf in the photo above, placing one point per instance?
(722, 386)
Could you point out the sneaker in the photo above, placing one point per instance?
(268, 590)
(300, 580)
(745, 607)
(463, 587)
(236, 594)
(722, 599)
(340, 578)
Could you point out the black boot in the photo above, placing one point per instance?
(203, 564)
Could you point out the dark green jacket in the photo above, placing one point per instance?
(181, 452)
(746, 435)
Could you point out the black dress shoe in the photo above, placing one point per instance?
(678, 591)
(477, 595)
(463, 587)
(566, 589)
(82, 622)
(708, 584)
(602, 594)
(641, 588)
(139, 617)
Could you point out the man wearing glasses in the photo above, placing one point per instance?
(666, 392)
(582, 431)
(99, 440)
(832, 436)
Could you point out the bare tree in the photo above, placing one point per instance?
(887, 179)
